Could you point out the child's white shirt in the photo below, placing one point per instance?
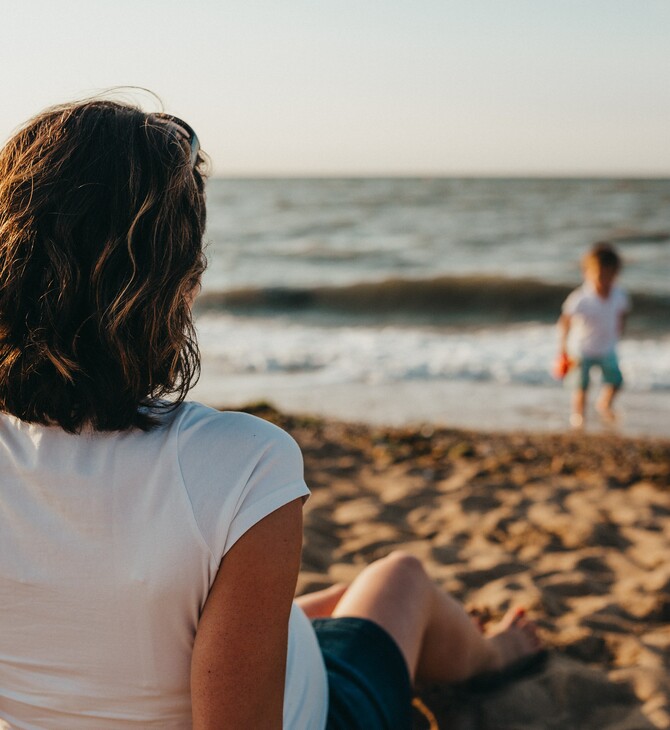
(596, 320)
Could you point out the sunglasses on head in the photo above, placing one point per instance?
(185, 132)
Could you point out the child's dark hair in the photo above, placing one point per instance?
(101, 222)
(604, 254)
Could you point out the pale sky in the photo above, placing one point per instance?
(539, 87)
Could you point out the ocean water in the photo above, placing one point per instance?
(380, 283)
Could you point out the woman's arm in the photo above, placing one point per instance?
(239, 656)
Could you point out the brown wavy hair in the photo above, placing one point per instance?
(101, 224)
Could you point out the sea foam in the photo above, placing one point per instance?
(520, 354)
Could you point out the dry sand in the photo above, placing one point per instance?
(574, 528)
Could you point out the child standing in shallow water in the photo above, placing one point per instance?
(598, 310)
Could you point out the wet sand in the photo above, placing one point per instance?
(456, 404)
(576, 528)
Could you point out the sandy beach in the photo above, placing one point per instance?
(575, 528)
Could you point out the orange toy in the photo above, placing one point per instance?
(562, 366)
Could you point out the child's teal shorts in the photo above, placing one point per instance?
(608, 364)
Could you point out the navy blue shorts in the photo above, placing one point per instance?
(369, 686)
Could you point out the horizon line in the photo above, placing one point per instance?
(313, 175)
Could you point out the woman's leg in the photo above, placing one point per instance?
(321, 604)
(436, 636)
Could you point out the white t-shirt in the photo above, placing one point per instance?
(109, 544)
(596, 320)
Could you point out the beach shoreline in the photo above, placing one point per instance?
(573, 527)
(439, 403)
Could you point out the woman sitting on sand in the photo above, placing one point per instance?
(149, 546)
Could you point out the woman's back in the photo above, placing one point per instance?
(109, 544)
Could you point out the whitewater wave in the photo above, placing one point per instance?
(521, 354)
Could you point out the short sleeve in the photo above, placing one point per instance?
(571, 304)
(276, 480)
(237, 469)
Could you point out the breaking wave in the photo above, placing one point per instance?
(437, 301)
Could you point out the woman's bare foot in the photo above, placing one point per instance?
(513, 641)
(479, 617)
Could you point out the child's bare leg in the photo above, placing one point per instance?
(578, 408)
(605, 401)
(320, 604)
(438, 639)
